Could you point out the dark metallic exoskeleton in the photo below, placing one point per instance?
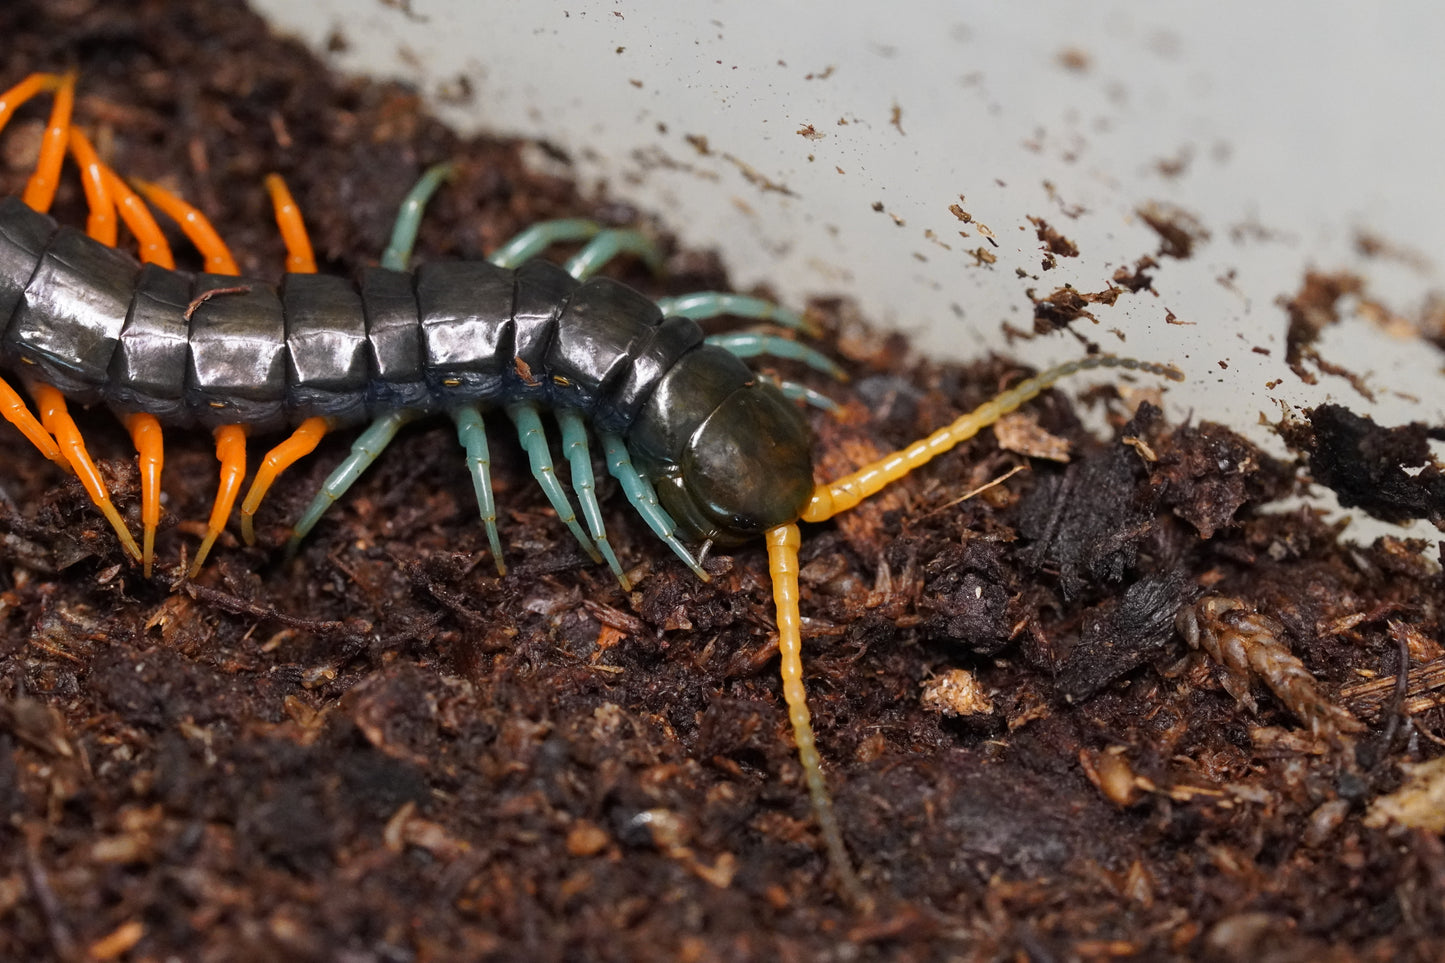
(728, 454)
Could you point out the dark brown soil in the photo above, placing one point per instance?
(382, 751)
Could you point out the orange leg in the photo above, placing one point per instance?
(195, 225)
(231, 450)
(13, 410)
(26, 90)
(145, 431)
(299, 257)
(303, 441)
(40, 190)
(100, 224)
(154, 248)
(57, 420)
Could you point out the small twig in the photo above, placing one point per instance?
(239, 606)
(50, 910)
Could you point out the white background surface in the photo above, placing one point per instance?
(1300, 124)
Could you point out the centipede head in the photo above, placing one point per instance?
(746, 469)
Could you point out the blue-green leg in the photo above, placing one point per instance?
(579, 455)
(540, 236)
(751, 344)
(796, 392)
(408, 219)
(701, 305)
(643, 496)
(472, 433)
(366, 449)
(608, 245)
(534, 443)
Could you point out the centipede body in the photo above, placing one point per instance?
(701, 446)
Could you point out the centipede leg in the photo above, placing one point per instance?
(13, 409)
(145, 432)
(397, 255)
(196, 227)
(534, 442)
(24, 91)
(150, 239)
(608, 245)
(540, 236)
(643, 498)
(472, 433)
(100, 223)
(298, 445)
(231, 452)
(783, 544)
(300, 258)
(800, 392)
(40, 189)
(56, 419)
(751, 344)
(367, 447)
(702, 305)
(579, 456)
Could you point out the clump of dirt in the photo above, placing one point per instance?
(1184, 707)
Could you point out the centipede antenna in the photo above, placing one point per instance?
(397, 255)
(703, 305)
(533, 438)
(40, 189)
(843, 494)
(783, 543)
(608, 245)
(145, 432)
(643, 498)
(579, 456)
(537, 238)
(298, 445)
(472, 433)
(56, 419)
(195, 225)
(300, 257)
(100, 223)
(231, 453)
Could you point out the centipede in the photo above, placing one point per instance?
(704, 449)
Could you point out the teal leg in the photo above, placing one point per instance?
(643, 496)
(540, 236)
(701, 305)
(579, 455)
(751, 344)
(606, 246)
(408, 220)
(796, 392)
(472, 433)
(366, 449)
(534, 442)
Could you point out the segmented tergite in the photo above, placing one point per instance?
(704, 449)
